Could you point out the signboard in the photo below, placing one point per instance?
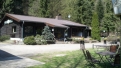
(117, 7)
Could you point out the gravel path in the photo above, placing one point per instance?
(35, 49)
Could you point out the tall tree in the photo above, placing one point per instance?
(87, 9)
(6, 7)
(34, 8)
(25, 6)
(109, 21)
(14, 6)
(1, 10)
(43, 10)
(100, 10)
(39, 8)
(80, 10)
(95, 33)
(17, 7)
(54, 8)
(68, 8)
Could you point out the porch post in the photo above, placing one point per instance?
(65, 34)
(22, 31)
(71, 32)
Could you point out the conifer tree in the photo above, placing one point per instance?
(6, 7)
(100, 10)
(47, 35)
(95, 33)
(43, 10)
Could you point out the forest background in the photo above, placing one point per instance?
(80, 11)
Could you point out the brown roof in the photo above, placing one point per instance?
(51, 22)
(70, 23)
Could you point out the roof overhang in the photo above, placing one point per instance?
(48, 21)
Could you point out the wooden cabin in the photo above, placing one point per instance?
(20, 26)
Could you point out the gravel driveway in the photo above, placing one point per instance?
(35, 49)
(14, 56)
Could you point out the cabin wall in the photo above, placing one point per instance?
(29, 29)
(7, 29)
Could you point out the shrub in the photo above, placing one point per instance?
(39, 40)
(76, 40)
(43, 42)
(29, 40)
(111, 38)
(4, 37)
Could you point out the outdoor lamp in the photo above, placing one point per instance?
(52, 29)
(69, 16)
(117, 11)
(104, 33)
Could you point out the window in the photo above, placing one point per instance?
(28, 29)
(14, 29)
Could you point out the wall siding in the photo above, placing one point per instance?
(7, 30)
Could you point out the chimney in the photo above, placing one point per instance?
(58, 17)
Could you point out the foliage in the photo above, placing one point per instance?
(95, 33)
(108, 7)
(47, 35)
(100, 10)
(54, 8)
(80, 10)
(39, 40)
(14, 6)
(107, 23)
(4, 37)
(43, 9)
(110, 22)
(39, 8)
(112, 38)
(6, 6)
(29, 40)
(34, 8)
(76, 40)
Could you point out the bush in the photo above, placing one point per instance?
(76, 40)
(4, 37)
(39, 40)
(29, 40)
(111, 38)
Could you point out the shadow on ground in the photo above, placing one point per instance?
(7, 56)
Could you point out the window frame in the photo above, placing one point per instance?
(14, 28)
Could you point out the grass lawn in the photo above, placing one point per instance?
(68, 59)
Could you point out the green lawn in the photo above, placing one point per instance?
(72, 59)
